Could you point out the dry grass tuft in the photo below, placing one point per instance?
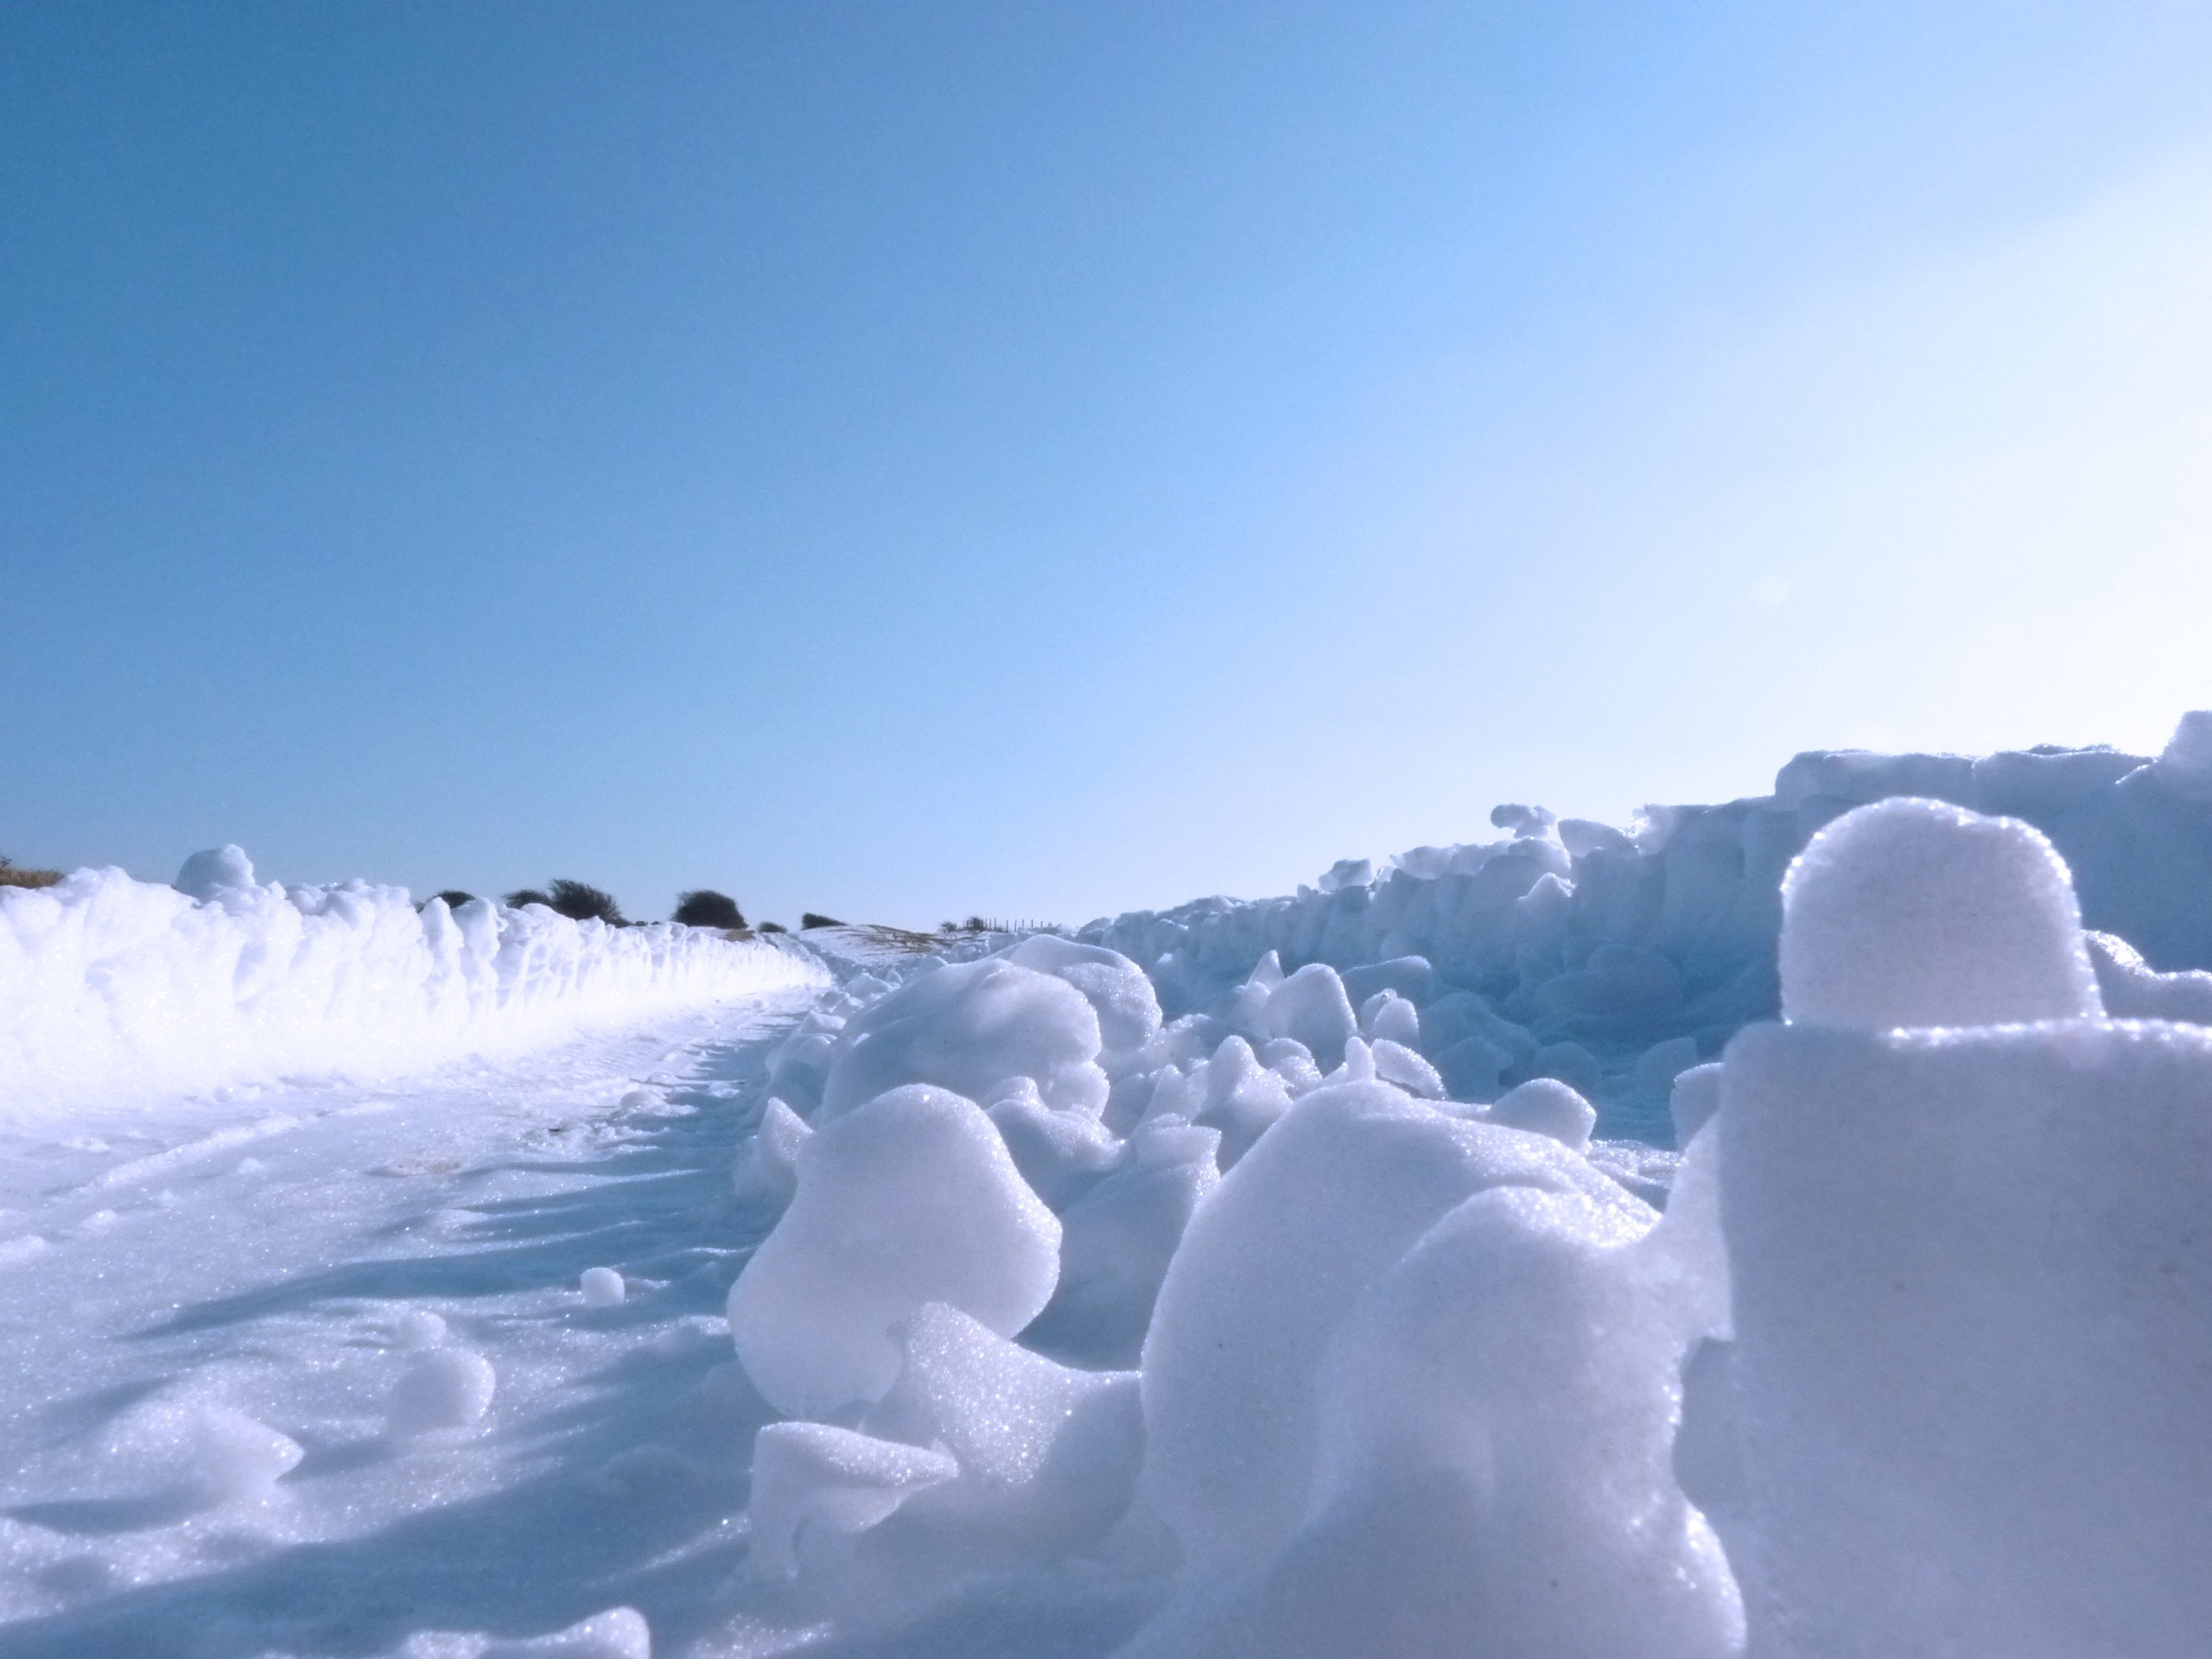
(12, 877)
(897, 938)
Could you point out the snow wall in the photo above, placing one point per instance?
(113, 990)
(1612, 959)
(1084, 1325)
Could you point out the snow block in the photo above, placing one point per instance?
(1047, 1456)
(1116, 988)
(967, 1029)
(1310, 1007)
(1972, 1301)
(1914, 912)
(908, 1199)
(1270, 1265)
(834, 1481)
(1496, 1420)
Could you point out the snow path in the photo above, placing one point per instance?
(271, 1254)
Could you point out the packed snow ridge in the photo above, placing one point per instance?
(1775, 1228)
(113, 986)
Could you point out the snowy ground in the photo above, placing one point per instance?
(281, 1253)
(1241, 1279)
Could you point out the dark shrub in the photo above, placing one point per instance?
(773, 927)
(812, 920)
(456, 898)
(704, 907)
(580, 902)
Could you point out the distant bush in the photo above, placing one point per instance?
(456, 898)
(811, 920)
(11, 875)
(773, 927)
(578, 900)
(704, 907)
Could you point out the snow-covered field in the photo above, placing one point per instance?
(1775, 1226)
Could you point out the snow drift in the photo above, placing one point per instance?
(111, 987)
(1353, 1341)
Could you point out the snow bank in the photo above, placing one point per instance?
(1615, 959)
(1354, 1341)
(112, 988)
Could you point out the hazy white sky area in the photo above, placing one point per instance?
(1964, 505)
(908, 461)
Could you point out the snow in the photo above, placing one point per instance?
(601, 1287)
(111, 987)
(971, 1027)
(449, 1389)
(1770, 1229)
(909, 1199)
(1911, 913)
(1329, 1199)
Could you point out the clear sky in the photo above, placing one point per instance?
(904, 460)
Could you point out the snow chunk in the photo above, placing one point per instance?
(768, 1173)
(210, 876)
(449, 1387)
(1047, 1456)
(1117, 1241)
(1239, 1097)
(2184, 766)
(1913, 913)
(1692, 1100)
(1310, 1007)
(1123, 998)
(601, 1288)
(1347, 872)
(1972, 1304)
(1495, 1421)
(1387, 1017)
(966, 1028)
(910, 1198)
(1270, 1265)
(1060, 1154)
(1547, 1106)
(812, 1475)
(1401, 1064)
(420, 1328)
(234, 1457)
(2132, 990)
(187, 1454)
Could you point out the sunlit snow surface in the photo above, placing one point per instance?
(1241, 1281)
(113, 989)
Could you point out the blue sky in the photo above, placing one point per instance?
(907, 459)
